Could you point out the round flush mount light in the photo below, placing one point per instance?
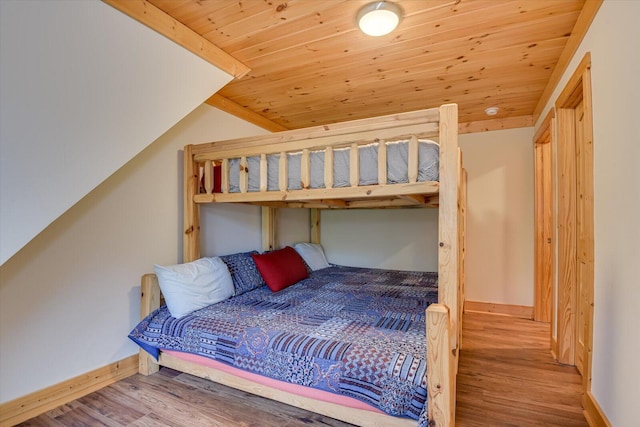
(491, 111)
(379, 18)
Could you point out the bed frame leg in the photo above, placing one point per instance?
(441, 382)
(150, 297)
(147, 364)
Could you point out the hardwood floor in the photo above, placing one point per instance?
(506, 378)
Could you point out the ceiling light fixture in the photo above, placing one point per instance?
(379, 18)
(491, 111)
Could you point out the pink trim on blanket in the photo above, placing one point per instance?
(296, 389)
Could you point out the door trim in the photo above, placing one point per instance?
(577, 89)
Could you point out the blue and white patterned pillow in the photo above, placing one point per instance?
(244, 272)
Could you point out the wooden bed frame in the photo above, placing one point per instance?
(448, 194)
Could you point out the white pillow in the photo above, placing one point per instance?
(312, 254)
(194, 285)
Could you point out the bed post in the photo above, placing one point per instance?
(149, 301)
(191, 212)
(441, 388)
(314, 219)
(443, 318)
(448, 215)
(269, 228)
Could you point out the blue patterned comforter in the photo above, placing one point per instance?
(352, 331)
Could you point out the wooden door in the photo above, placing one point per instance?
(543, 211)
(584, 235)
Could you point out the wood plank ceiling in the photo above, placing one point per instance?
(310, 64)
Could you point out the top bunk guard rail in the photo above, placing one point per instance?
(405, 126)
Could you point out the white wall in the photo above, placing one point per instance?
(293, 226)
(499, 259)
(69, 298)
(232, 228)
(83, 88)
(615, 57)
(401, 239)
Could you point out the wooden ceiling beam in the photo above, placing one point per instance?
(154, 18)
(228, 106)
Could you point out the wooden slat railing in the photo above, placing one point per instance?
(305, 167)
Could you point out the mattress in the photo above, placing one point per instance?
(397, 170)
(355, 332)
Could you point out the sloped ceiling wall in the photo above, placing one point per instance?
(83, 88)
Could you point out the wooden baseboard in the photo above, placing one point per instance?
(523, 311)
(593, 413)
(39, 402)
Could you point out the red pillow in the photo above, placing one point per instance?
(281, 268)
(217, 180)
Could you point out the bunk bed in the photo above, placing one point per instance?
(297, 169)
